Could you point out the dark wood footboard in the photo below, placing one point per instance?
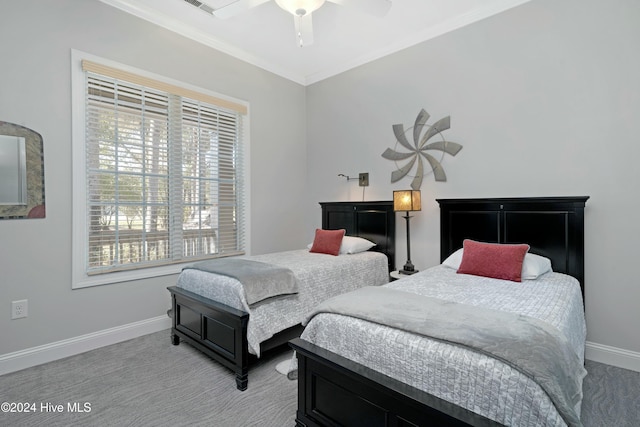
(334, 391)
(216, 329)
(219, 331)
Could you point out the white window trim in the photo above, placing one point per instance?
(79, 241)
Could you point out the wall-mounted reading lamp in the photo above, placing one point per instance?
(363, 180)
(349, 178)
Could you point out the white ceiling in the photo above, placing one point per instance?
(343, 37)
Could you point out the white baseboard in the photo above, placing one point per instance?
(613, 356)
(23, 359)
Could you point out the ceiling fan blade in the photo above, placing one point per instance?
(304, 29)
(236, 8)
(373, 7)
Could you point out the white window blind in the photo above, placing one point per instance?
(164, 173)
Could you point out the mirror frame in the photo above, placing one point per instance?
(35, 207)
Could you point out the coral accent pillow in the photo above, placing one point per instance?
(327, 241)
(533, 265)
(499, 261)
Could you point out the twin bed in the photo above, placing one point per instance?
(353, 370)
(213, 313)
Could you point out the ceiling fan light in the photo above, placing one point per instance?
(300, 7)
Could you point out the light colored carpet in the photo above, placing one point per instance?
(611, 397)
(149, 382)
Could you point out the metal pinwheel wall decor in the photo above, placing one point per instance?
(419, 149)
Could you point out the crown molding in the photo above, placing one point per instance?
(480, 13)
(172, 24)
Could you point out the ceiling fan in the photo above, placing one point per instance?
(301, 11)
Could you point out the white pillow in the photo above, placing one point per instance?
(532, 266)
(454, 260)
(352, 245)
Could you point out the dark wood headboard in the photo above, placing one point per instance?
(374, 221)
(552, 226)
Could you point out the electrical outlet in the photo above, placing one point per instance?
(19, 309)
(363, 180)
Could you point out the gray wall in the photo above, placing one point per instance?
(545, 100)
(36, 39)
(543, 97)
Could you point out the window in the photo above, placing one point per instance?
(162, 176)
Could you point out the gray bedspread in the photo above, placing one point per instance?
(532, 346)
(260, 280)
